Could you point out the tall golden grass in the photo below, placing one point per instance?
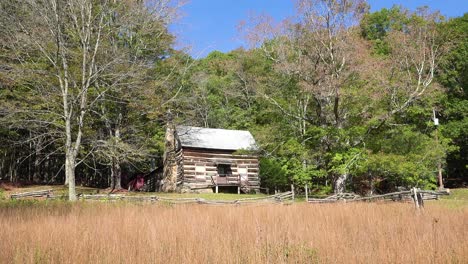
(298, 233)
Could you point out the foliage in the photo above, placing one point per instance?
(327, 102)
(453, 74)
(74, 73)
(375, 27)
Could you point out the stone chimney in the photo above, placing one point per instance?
(169, 183)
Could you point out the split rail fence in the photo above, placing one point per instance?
(277, 198)
(415, 195)
(34, 194)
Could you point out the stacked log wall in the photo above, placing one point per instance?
(196, 159)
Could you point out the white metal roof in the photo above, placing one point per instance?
(213, 138)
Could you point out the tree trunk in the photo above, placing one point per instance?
(30, 178)
(70, 157)
(66, 174)
(439, 165)
(116, 161)
(10, 169)
(2, 164)
(116, 183)
(112, 178)
(340, 183)
(70, 175)
(46, 171)
(37, 156)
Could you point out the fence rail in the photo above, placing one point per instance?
(416, 195)
(48, 194)
(280, 197)
(34, 194)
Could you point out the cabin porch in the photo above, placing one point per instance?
(221, 181)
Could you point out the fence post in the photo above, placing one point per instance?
(420, 199)
(292, 190)
(307, 192)
(415, 197)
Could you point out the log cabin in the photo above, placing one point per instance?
(210, 160)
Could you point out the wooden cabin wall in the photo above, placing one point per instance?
(200, 165)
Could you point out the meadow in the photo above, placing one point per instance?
(105, 232)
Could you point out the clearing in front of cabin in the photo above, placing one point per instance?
(119, 232)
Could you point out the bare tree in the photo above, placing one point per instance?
(407, 74)
(81, 43)
(314, 49)
(321, 51)
(414, 56)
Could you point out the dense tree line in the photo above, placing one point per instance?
(338, 98)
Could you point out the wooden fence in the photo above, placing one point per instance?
(416, 195)
(48, 194)
(278, 198)
(34, 194)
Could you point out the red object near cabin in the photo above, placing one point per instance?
(137, 183)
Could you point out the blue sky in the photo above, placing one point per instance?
(208, 25)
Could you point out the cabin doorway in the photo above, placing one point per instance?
(224, 171)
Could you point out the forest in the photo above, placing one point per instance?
(337, 97)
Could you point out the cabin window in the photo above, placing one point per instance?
(243, 173)
(200, 171)
(224, 170)
(200, 168)
(242, 170)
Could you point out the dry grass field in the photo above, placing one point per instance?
(59, 232)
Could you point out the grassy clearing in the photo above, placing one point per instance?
(61, 232)
(458, 194)
(457, 199)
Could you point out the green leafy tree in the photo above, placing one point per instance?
(75, 52)
(453, 74)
